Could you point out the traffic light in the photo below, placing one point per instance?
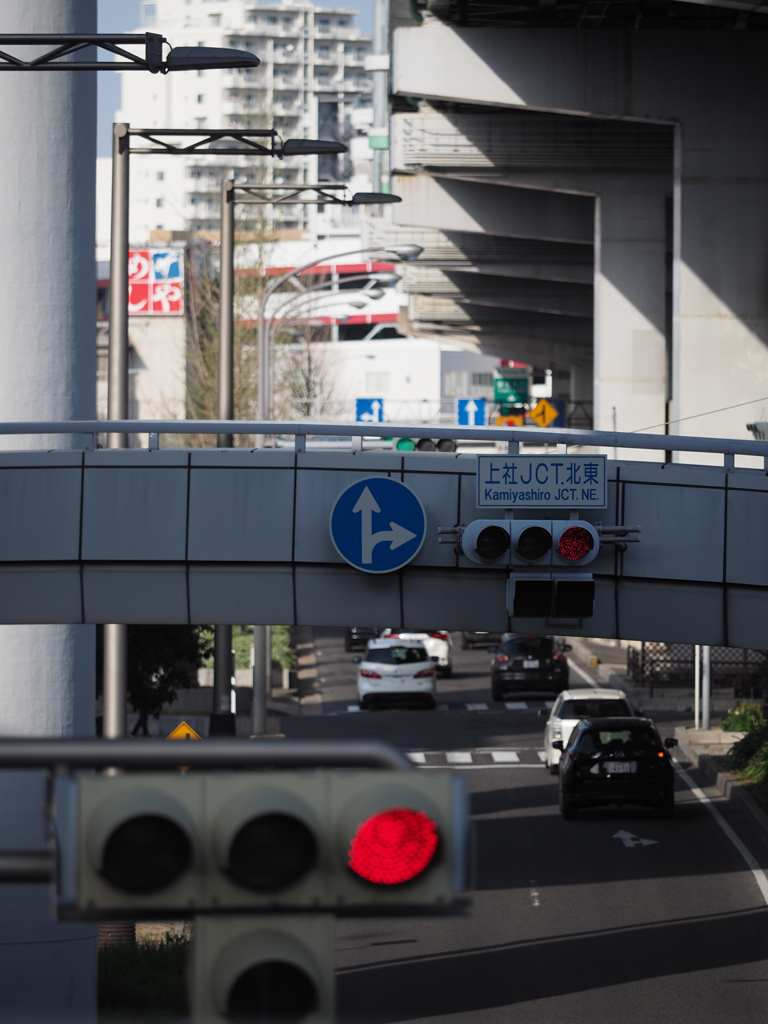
(263, 968)
(252, 841)
(562, 542)
(550, 596)
(425, 444)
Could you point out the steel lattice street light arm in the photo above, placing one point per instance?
(182, 58)
(246, 139)
(322, 194)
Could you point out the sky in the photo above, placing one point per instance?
(124, 16)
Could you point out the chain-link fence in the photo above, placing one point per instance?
(657, 666)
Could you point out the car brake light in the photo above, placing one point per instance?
(367, 674)
(660, 754)
(502, 657)
(393, 846)
(424, 672)
(439, 634)
(557, 656)
(392, 636)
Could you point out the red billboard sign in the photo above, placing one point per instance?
(155, 282)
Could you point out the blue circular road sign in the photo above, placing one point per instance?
(378, 524)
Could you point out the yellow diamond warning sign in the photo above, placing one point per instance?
(183, 732)
(544, 413)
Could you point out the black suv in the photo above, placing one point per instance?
(525, 663)
(358, 636)
(616, 761)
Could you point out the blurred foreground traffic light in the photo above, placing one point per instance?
(425, 444)
(561, 542)
(265, 968)
(340, 841)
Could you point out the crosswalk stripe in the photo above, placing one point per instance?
(505, 756)
(477, 707)
(417, 756)
(542, 755)
(353, 707)
(516, 705)
(458, 757)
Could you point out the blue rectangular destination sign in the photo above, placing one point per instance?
(541, 481)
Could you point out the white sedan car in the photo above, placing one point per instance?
(571, 707)
(395, 670)
(437, 642)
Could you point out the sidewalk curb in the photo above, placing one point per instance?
(729, 786)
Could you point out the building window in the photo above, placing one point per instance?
(377, 383)
(160, 175)
(252, 17)
(215, 19)
(200, 122)
(323, 22)
(200, 73)
(482, 380)
(271, 19)
(342, 22)
(200, 97)
(158, 202)
(455, 383)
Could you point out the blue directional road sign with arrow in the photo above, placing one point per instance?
(369, 410)
(470, 412)
(378, 524)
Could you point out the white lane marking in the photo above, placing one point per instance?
(580, 672)
(535, 900)
(542, 755)
(630, 840)
(516, 705)
(505, 756)
(417, 756)
(353, 707)
(752, 864)
(477, 707)
(458, 757)
(478, 767)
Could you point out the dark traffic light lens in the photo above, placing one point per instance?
(393, 846)
(146, 853)
(271, 852)
(446, 444)
(533, 599)
(575, 543)
(492, 542)
(534, 543)
(274, 992)
(574, 599)
(425, 444)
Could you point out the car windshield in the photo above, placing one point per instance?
(529, 647)
(636, 740)
(396, 655)
(599, 707)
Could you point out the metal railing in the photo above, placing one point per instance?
(668, 666)
(727, 447)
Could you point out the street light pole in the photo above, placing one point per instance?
(115, 674)
(222, 721)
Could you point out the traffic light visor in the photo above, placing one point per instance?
(393, 846)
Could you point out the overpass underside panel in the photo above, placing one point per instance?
(211, 536)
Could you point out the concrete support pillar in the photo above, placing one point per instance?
(630, 370)
(48, 354)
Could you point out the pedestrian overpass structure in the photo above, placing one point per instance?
(203, 535)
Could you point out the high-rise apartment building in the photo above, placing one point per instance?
(311, 83)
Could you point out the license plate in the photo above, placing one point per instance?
(531, 663)
(618, 767)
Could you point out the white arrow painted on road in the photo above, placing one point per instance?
(630, 839)
(398, 535)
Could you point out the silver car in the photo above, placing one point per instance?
(571, 707)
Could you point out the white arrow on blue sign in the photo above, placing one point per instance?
(470, 412)
(378, 524)
(369, 410)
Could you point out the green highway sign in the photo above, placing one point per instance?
(510, 390)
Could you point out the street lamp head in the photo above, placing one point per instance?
(405, 252)
(386, 277)
(373, 199)
(310, 147)
(201, 58)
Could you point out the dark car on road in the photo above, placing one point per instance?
(616, 761)
(357, 637)
(525, 663)
(476, 638)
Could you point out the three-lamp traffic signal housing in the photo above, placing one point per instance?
(149, 844)
(538, 543)
(534, 542)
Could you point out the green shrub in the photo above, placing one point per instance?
(146, 978)
(743, 717)
(748, 747)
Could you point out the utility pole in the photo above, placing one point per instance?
(706, 685)
(379, 64)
